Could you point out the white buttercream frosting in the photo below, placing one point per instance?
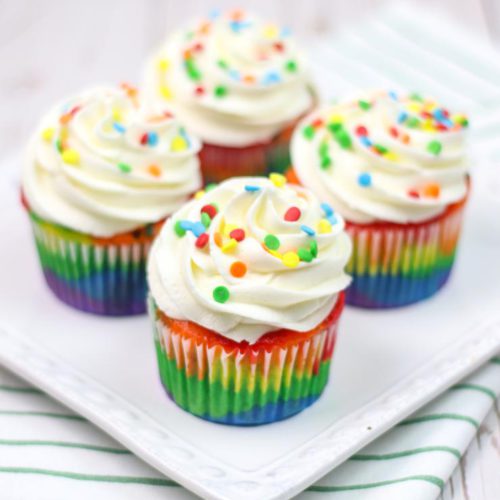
(288, 287)
(233, 79)
(100, 164)
(383, 157)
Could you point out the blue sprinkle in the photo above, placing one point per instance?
(286, 31)
(198, 228)
(365, 140)
(365, 179)
(308, 230)
(327, 209)
(252, 189)
(214, 14)
(237, 26)
(332, 219)
(447, 122)
(402, 116)
(271, 77)
(119, 127)
(393, 95)
(152, 138)
(187, 225)
(234, 74)
(438, 114)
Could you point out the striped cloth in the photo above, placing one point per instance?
(47, 452)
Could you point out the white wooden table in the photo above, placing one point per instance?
(52, 48)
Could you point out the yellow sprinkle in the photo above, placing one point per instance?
(71, 156)
(324, 226)
(415, 107)
(277, 179)
(336, 118)
(291, 259)
(117, 114)
(178, 143)
(63, 135)
(391, 156)
(274, 253)
(228, 228)
(230, 245)
(428, 126)
(199, 194)
(47, 134)
(166, 92)
(270, 31)
(163, 64)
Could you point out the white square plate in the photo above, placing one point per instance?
(387, 364)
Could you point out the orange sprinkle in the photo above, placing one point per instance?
(154, 170)
(405, 138)
(236, 15)
(432, 190)
(249, 79)
(218, 239)
(238, 269)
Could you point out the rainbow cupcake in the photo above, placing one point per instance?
(395, 167)
(240, 84)
(246, 290)
(100, 177)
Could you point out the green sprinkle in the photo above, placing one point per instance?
(305, 254)
(178, 229)
(291, 66)
(381, 149)
(272, 242)
(205, 219)
(308, 132)
(192, 70)
(364, 105)
(222, 64)
(220, 91)
(313, 247)
(325, 162)
(412, 122)
(434, 147)
(210, 186)
(416, 97)
(124, 167)
(334, 127)
(323, 149)
(343, 138)
(59, 145)
(220, 294)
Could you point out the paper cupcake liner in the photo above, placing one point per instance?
(233, 383)
(394, 265)
(103, 276)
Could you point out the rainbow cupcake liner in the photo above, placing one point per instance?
(95, 275)
(395, 265)
(241, 384)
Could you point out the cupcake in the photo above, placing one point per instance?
(99, 178)
(240, 84)
(246, 289)
(395, 167)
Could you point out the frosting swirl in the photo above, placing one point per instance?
(383, 157)
(101, 165)
(233, 79)
(251, 256)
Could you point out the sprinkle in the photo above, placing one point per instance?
(191, 69)
(365, 179)
(324, 226)
(210, 186)
(199, 90)
(178, 144)
(166, 92)
(48, 134)
(292, 214)
(218, 239)
(228, 228)
(199, 194)
(305, 255)
(59, 145)
(402, 116)
(210, 210)
(412, 122)
(313, 247)
(413, 193)
(230, 245)
(238, 269)
(237, 234)
(270, 31)
(154, 170)
(152, 138)
(119, 127)
(179, 229)
(144, 139)
(361, 130)
(364, 105)
(325, 162)
(277, 179)
(163, 64)
(343, 138)
(291, 259)
(252, 189)
(308, 230)
(220, 91)
(432, 190)
(271, 77)
(71, 156)
(393, 95)
(434, 147)
(124, 167)
(332, 219)
(272, 242)
(197, 228)
(394, 132)
(291, 66)
(365, 140)
(202, 240)
(308, 132)
(327, 209)
(220, 294)
(205, 219)
(381, 149)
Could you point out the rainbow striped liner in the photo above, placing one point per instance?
(103, 276)
(395, 265)
(233, 383)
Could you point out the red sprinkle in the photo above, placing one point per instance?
(144, 139)
(237, 234)
(198, 47)
(278, 46)
(199, 90)
(210, 210)
(426, 114)
(413, 193)
(394, 132)
(361, 130)
(445, 113)
(441, 126)
(292, 214)
(317, 123)
(202, 240)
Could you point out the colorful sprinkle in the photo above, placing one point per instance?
(365, 179)
(313, 247)
(119, 127)
(124, 167)
(434, 147)
(308, 132)
(210, 210)
(324, 226)
(154, 170)
(205, 219)
(144, 139)
(220, 294)
(202, 240)
(197, 228)
(364, 105)
(238, 269)
(71, 156)
(210, 186)
(361, 130)
(229, 245)
(305, 254)
(291, 66)
(432, 190)
(179, 229)
(220, 91)
(327, 209)
(291, 259)
(237, 234)
(252, 189)
(277, 179)
(272, 242)
(152, 138)
(292, 214)
(308, 230)
(413, 193)
(48, 134)
(178, 144)
(199, 194)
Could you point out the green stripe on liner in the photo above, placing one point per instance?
(440, 416)
(328, 489)
(64, 444)
(406, 453)
(9, 413)
(151, 481)
(24, 390)
(475, 387)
